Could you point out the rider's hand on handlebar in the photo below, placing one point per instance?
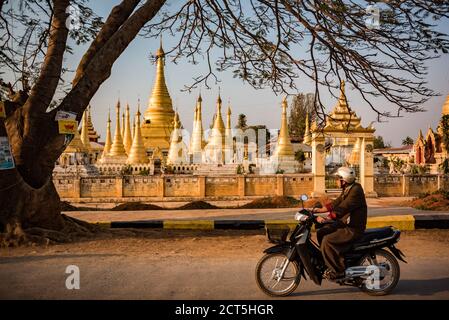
(320, 219)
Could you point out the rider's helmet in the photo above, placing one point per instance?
(346, 174)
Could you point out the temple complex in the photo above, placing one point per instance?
(343, 141)
(157, 145)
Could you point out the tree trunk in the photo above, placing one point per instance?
(29, 207)
(29, 203)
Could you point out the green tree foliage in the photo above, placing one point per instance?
(300, 156)
(241, 122)
(302, 105)
(379, 143)
(407, 141)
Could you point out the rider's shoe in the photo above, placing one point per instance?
(332, 276)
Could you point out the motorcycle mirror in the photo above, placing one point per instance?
(304, 197)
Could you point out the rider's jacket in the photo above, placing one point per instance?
(350, 207)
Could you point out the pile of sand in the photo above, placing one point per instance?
(136, 206)
(195, 205)
(66, 206)
(272, 202)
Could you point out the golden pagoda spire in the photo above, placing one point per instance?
(218, 123)
(342, 100)
(158, 117)
(122, 132)
(307, 134)
(137, 153)
(133, 129)
(84, 131)
(117, 148)
(160, 99)
(284, 146)
(216, 144)
(93, 135)
(127, 139)
(108, 143)
(228, 117)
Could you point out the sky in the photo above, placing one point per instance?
(133, 74)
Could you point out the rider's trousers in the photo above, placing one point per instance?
(335, 244)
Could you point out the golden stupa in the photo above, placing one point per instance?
(108, 143)
(158, 118)
(284, 146)
(127, 138)
(137, 153)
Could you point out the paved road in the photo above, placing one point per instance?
(226, 214)
(196, 265)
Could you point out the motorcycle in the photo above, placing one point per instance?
(369, 266)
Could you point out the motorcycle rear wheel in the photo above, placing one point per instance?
(386, 283)
(268, 270)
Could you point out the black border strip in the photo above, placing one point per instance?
(437, 221)
(138, 224)
(239, 224)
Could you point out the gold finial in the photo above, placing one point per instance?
(160, 52)
(137, 153)
(219, 96)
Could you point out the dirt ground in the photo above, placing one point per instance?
(161, 264)
(207, 243)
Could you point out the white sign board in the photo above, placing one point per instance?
(65, 115)
(6, 159)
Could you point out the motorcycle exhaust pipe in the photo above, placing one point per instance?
(361, 271)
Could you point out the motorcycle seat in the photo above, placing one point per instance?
(375, 234)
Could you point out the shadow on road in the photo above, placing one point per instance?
(422, 287)
(427, 287)
(6, 260)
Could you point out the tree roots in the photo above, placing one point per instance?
(73, 230)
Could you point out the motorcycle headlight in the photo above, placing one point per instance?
(300, 217)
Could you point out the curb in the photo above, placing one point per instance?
(402, 222)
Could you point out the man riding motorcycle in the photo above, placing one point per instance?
(345, 223)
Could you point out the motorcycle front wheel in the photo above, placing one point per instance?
(270, 276)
